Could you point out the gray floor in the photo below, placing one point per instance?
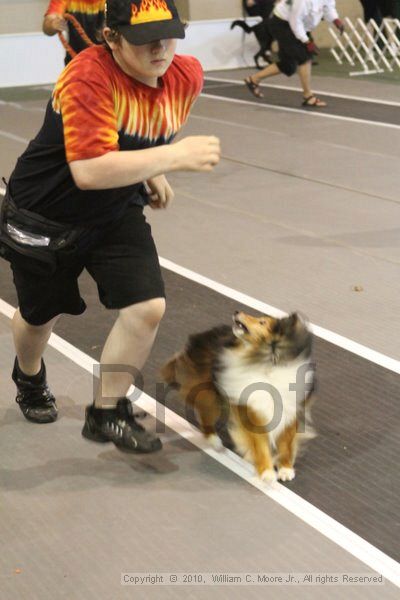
(300, 210)
(275, 96)
(317, 198)
(347, 471)
(365, 87)
(77, 515)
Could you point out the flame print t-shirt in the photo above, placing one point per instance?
(95, 109)
(89, 13)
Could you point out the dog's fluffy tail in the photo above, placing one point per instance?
(241, 24)
(168, 371)
(307, 432)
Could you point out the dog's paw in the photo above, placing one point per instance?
(286, 474)
(269, 476)
(215, 441)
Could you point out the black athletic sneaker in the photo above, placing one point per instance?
(119, 425)
(35, 400)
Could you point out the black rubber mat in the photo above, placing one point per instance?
(350, 471)
(344, 107)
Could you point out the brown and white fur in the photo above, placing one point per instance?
(217, 367)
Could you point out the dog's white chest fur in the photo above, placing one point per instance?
(275, 393)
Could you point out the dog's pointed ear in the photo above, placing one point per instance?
(302, 319)
(298, 322)
(286, 325)
(289, 323)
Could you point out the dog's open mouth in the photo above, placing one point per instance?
(238, 326)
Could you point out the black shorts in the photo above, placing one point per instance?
(122, 259)
(292, 52)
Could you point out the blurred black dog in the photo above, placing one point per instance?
(263, 9)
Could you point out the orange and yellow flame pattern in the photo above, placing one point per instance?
(85, 7)
(149, 11)
(100, 105)
(150, 121)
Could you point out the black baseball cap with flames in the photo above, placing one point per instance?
(144, 21)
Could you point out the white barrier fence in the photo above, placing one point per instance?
(369, 48)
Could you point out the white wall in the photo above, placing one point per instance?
(217, 46)
(29, 59)
(21, 16)
(214, 9)
(35, 59)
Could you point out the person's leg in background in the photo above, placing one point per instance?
(253, 81)
(396, 15)
(304, 71)
(293, 56)
(371, 11)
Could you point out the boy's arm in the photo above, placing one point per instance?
(160, 193)
(119, 169)
(83, 97)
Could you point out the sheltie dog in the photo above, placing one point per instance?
(257, 376)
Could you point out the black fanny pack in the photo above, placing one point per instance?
(33, 242)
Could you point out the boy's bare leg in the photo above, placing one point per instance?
(110, 419)
(128, 344)
(30, 342)
(34, 398)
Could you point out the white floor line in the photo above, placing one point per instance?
(299, 89)
(340, 341)
(321, 522)
(21, 107)
(11, 136)
(302, 111)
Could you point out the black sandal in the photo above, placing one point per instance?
(254, 88)
(316, 104)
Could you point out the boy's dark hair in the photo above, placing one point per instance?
(112, 36)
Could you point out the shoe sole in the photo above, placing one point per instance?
(100, 439)
(137, 450)
(42, 421)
